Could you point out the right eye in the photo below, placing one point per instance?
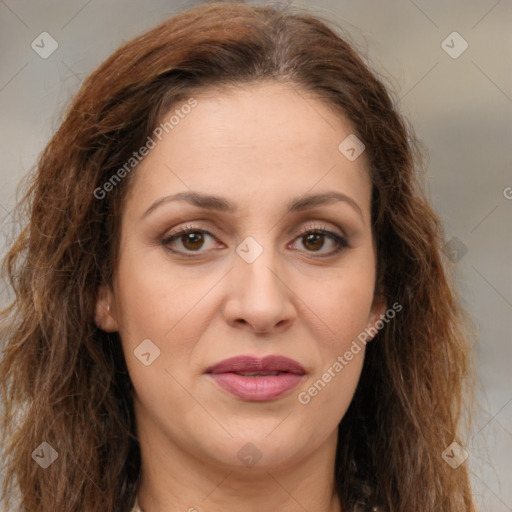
(191, 239)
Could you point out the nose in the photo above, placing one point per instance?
(259, 299)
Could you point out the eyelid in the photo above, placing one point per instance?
(318, 227)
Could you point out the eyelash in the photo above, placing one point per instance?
(341, 242)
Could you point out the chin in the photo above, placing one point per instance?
(255, 454)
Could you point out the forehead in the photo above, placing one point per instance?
(272, 115)
(247, 138)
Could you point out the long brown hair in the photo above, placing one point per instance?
(65, 382)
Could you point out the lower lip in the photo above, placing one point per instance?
(257, 389)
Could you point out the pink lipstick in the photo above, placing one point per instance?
(258, 380)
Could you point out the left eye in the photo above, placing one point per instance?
(313, 239)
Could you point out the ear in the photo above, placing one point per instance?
(377, 312)
(105, 312)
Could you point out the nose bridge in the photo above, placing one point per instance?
(259, 295)
(256, 267)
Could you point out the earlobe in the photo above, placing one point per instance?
(104, 316)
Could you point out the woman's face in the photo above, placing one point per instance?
(269, 267)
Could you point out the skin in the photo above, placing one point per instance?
(259, 146)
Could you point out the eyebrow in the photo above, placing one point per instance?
(221, 204)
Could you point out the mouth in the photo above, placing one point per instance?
(258, 380)
(257, 374)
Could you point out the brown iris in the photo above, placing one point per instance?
(193, 241)
(313, 241)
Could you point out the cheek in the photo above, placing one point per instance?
(166, 309)
(154, 299)
(354, 302)
(163, 309)
(327, 394)
(343, 303)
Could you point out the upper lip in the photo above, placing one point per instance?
(247, 363)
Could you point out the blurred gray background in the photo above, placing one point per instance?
(456, 90)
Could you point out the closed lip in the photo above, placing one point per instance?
(247, 363)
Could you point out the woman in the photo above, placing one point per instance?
(230, 293)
